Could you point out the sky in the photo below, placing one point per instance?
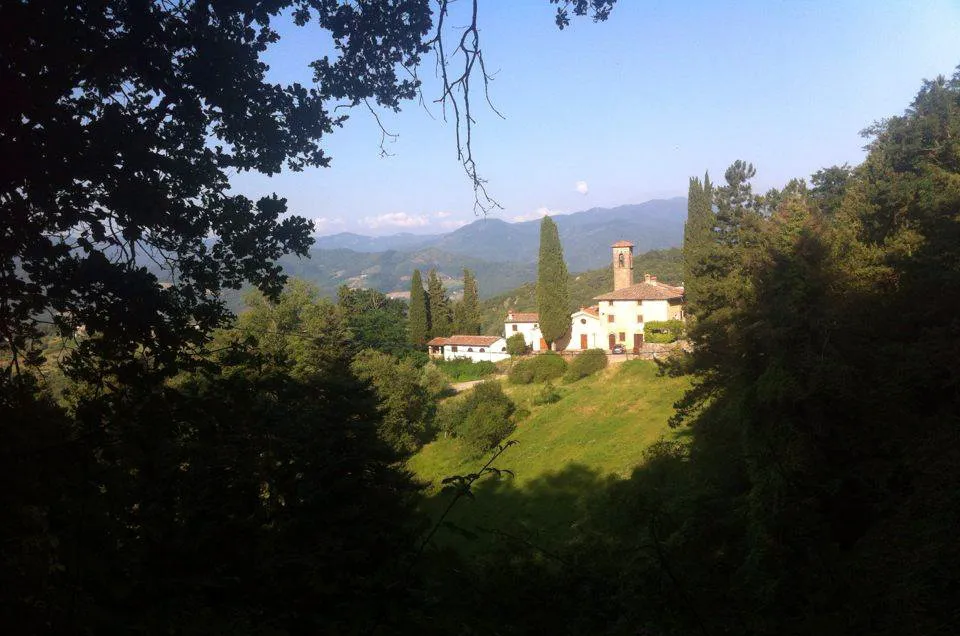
(624, 111)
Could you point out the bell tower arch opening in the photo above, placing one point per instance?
(622, 264)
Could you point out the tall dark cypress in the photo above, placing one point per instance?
(697, 238)
(441, 320)
(418, 321)
(553, 299)
(470, 305)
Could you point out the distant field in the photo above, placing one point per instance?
(567, 452)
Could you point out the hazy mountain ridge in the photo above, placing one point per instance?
(586, 235)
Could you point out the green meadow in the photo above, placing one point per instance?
(566, 453)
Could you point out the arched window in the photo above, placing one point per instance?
(482, 349)
(620, 258)
(470, 349)
(583, 321)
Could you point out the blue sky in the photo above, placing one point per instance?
(625, 111)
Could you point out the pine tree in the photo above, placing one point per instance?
(697, 238)
(417, 319)
(552, 277)
(439, 305)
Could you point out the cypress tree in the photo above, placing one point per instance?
(439, 306)
(418, 321)
(470, 306)
(552, 296)
(697, 238)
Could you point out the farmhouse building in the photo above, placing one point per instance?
(618, 317)
(527, 324)
(475, 348)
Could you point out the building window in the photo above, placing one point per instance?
(620, 259)
(469, 349)
(514, 327)
(481, 349)
(583, 321)
(609, 317)
(453, 348)
(639, 318)
(623, 337)
(503, 348)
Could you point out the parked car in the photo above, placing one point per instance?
(618, 348)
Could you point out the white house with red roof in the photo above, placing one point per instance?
(527, 324)
(475, 348)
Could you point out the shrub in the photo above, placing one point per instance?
(451, 414)
(542, 368)
(481, 418)
(434, 381)
(522, 372)
(587, 363)
(516, 345)
(547, 395)
(464, 370)
(406, 407)
(548, 366)
(488, 417)
(662, 331)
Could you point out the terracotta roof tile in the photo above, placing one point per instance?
(439, 341)
(643, 291)
(518, 316)
(622, 244)
(471, 341)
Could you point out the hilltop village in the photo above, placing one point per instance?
(615, 323)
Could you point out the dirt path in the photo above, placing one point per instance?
(463, 386)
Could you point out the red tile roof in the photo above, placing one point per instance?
(437, 342)
(471, 341)
(593, 311)
(643, 291)
(622, 244)
(517, 316)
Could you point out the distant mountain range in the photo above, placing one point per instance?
(586, 236)
(502, 255)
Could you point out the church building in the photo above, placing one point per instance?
(617, 318)
(623, 311)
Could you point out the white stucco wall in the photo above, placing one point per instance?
(582, 323)
(494, 353)
(530, 330)
(628, 317)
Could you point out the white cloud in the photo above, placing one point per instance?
(452, 224)
(442, 214)
(395, 219)
(582, 187)
(539, 213)
(323, 224)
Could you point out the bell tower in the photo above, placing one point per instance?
(622, 264)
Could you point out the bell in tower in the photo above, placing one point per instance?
(622, 264)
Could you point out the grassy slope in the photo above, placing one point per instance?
(567, 452)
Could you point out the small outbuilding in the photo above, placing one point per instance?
(475, 348)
